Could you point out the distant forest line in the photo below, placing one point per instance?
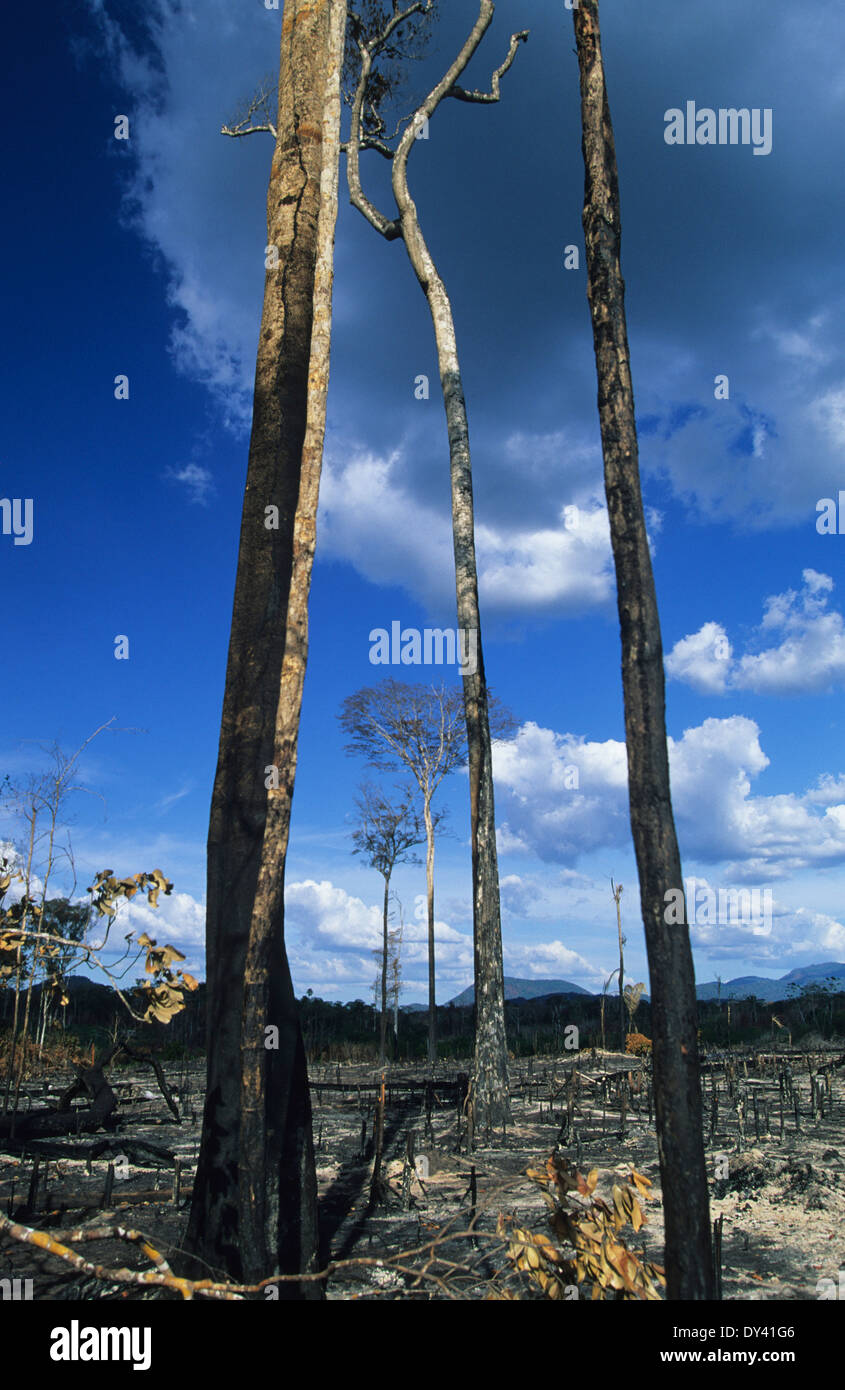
(335, 1031)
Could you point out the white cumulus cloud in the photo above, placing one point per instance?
(808, 658)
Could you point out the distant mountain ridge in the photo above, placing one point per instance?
(770, 990)
(522, 989)
(763, 988)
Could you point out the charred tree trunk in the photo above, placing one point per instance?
(254, 1205)
(689, 1266)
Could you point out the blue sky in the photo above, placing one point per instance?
(145, 257)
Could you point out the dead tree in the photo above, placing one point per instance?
(419, 730)
(254, 1210)
(689, 1265)
(368, 132)
(616, 889)
(387, 832)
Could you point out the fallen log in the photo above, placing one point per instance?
(91, 1080)
(65, 1120)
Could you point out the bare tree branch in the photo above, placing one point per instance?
(244, 129)
(437, 1269)
(15, 934)
(433, 100)
(259, 104)
(461, 94)
(389, 228)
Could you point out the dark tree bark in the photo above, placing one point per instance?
(689, 1269)
(254, 1205)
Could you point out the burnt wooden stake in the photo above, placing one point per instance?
(32, 1198)
(409, 1168)
(717, 1254)
(376, 1184)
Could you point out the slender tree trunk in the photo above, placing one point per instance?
(617, 893)
(491, 1091)
(689, 1268)
(384, 953)
(429, 893)
(15, 1017)
(254, 1205)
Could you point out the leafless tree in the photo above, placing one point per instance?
(394, 969)
(368, 132)
(40, 804)
(689, 1266)
(386, 834)
(616, 890)
(421, 730)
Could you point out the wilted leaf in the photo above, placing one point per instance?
(169, 954)
(619, 1204)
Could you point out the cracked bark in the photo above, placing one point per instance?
(254, 1206)
(688, 1258)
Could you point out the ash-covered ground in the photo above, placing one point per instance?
(775, 1159)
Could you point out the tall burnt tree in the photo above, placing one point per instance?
(253, 1212)
(374, 35)
(689, 1269)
